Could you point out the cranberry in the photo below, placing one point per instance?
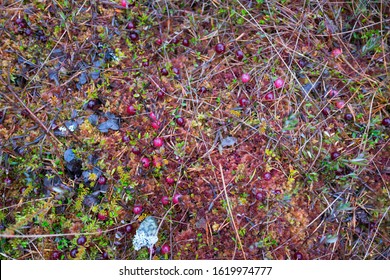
(8, 181)
(298, 256)
(102, 216)
(220, 48)
(386, 122)
(21, 22)
(160, 94)
(348, 117)
(134, 36)
(131, 111)
(243, 101)
(186, 42)
(269, 96)
(136, 150)
(332, 93)
(164, 72)
(159, 41)
(326, 111)
(170, 181)
(239, 55)
(279, 82)
(335, 155)
(137, 209)
(175, 40)
(260, 196)
(176, 198)
(165, 249)
(56, 255)
(245, 78)
(336, 52)
(158, 142)
(73, 253)
(180, 121)
(145, 63)
(125, 139)
(165, 200)
(156, 125)
(276, 192)
(176, 70)
(102, 180)
(92, 104)
(202, 89)
(128, 228)
(145, 162)
(28, 32)
(105, 255)
(340, 104)
(124, 3)
(130, 25)
(267, 176)
(152, 116)
(81, 240)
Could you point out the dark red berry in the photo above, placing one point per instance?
(386, 122)
(267, 176)
(105, 256)
(137, 209)
(21, 22)
(131, 111)
(176, 70)
(160, 94)
(145, 162)
(56, 255)
(125, 139)
(164, 72)
(159, 41)
(220, 48)
(165, 200)
(243, 101)
(176, 198)
(239, 55)
(260, 196)
(335, 155)
(170, 181)
(202, 89)
(186, 42)
(81, 240)
(102, 180)
(135, 150)
(134, 36)
(128, 228)
(175, 40)
(145, 63)
(130, 25)
(73, 253)
(158, 142)
(276, 192)
(325, 111)
(180, 121)
(165, 249)
(102, 216)
(298, 256)
(348, 117)
(269, 96)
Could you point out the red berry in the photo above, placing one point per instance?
(125, 139)
(279, 82)
(335, 155)
(165, 249)
(105, 255)
(81, 240)
(152, 116)
(136, 150)
(130, 25)
(386, 122)
(298, 256)
(175, 40)
(128, 228)
(102, 180)
(245, 78)
(348, 117)
(340, 104)
(131, 111)
(165, 200)
(164, 72)
(145, 162)
(124, 3)
(158, 142)
(332, 93)
(239, 55)
(169, 181)
(276, 192)
(336, 52)
(326, 111)
(156, 125)
(56, 255)
(176, 198)
(137, 209)
(134, 36)
(186, 42)
(159, 41)
(180, 121)
(260, 196)
(243, 101)
(220, 48)
(267, 176)
(176, 70)
(102, 216)
(202, 89)
(160, 94)
(269, 96)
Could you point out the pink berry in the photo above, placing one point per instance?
(145, 162)
(170, 181)
(156, 125)
(165, 200)
(267, 176)
(340, 104)
(158, 142)
(243, 101)
(153, 116)
(176, 198)
(124, 3)
(269, 96)
(332, 93)
(245, 78)
(102, 180)
(336, 52)
(165, 249)
(137, 209)
(131, 111)
(279, 82)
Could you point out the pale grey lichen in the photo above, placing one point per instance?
(146, 234)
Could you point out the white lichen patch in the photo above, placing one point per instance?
(146, 234)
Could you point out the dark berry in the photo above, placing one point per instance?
(175, 40)
(202, 89)
(135, 150)
(145, 63)
(165, 249)
(159, 41)
(21, 22)
(180, 121)
(81, 240)
(92, 104)
(130, 25)
(131, 111)
(128, 228)
(348, 117)
(28, 32)
(134, 36)
(105, 256)
(186, 42)
(243, 101)
(334, 155)
(332, 93)
(302, 62)
(160, 94)
(298, 256)
(43, 38)
(137, 209)
(102, 180)
(176, 198)
(164, 72)
(260, 196)
(158, 142)
(56, 255)
(267, 176)
(276, 192)
(7, 181)
(325, 111)
(165, 200)
(176, 70)
(74, 252)
(125, 139)
(239, 55)
(386, 122)
(220, 48)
